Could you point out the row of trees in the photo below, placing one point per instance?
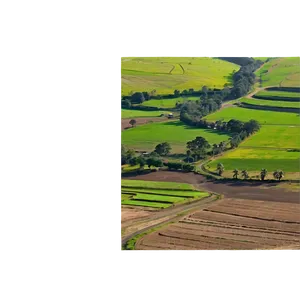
(278, 174)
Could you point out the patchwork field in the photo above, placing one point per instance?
(133, 113)
(282, 71)
(165, 74)
(263, 117)
(146, 137)
(231, 224)
(168, 103)
(289, 104)
(157, 194)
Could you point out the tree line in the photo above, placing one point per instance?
(278, 174)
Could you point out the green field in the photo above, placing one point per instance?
(262, 116)
(165, 74)
(267, 93)
(261, 58)
(274, 137)
(270, 103)
(282, 71)
(169, 103)
(133, 113)
(157, 194)
(255, 159)
(146, 137)
(156, 185)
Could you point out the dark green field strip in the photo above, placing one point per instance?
(276, 98)
(284, 89)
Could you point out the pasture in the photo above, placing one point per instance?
(134, 113)
(165, 74)
(252, 159)
(169, 103)
(262, 116)
(157, 194)
(282, 71)
(146, 137)
(271, 103)
(273, 136)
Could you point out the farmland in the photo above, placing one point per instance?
(271, 103)
(168, 103)
(263, 117)
(230, 224)
(254, 159)
(274, 136)
(282, 71)
(146, 137)
(278, 94)
(133, 113)
(157, 194)
(165, 74)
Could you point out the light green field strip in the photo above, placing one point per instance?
(165, 192)
(156, 184)
(133, 113)
(158, 198)
(168, 103)
(145, 203)
(267, 93)
(270, 103)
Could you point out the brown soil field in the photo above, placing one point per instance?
(130, 213)
(141, 121)
(231, 224)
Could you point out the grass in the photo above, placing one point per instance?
(266, 93)
(146, 137)
(165, 74)
(262, 116)
(133, 113)
(270, 103)
(158, 198)
(274, 136)
(168, 103)
(156, 185)
(282, 71)
(261, 58)
(255, 159)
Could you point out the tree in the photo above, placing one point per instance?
(245, 174)
(263, 174)
(154, 161)
(137, 98)
(235, 141)
(215, 149)
(132, 122)
(235, 173)
(126, 103)
(251, 126)
(188, 154)
(163, 148)
(146, 95)
(278, 174)
(142, 162)
(176, 93)
(198, 146)
(222, 146)
(133, 161)
(220, 168)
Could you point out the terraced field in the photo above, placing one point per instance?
(157, 194)
(269, 94)
(231, 224)
(263, 117)
(271, 103)
(165, 74)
